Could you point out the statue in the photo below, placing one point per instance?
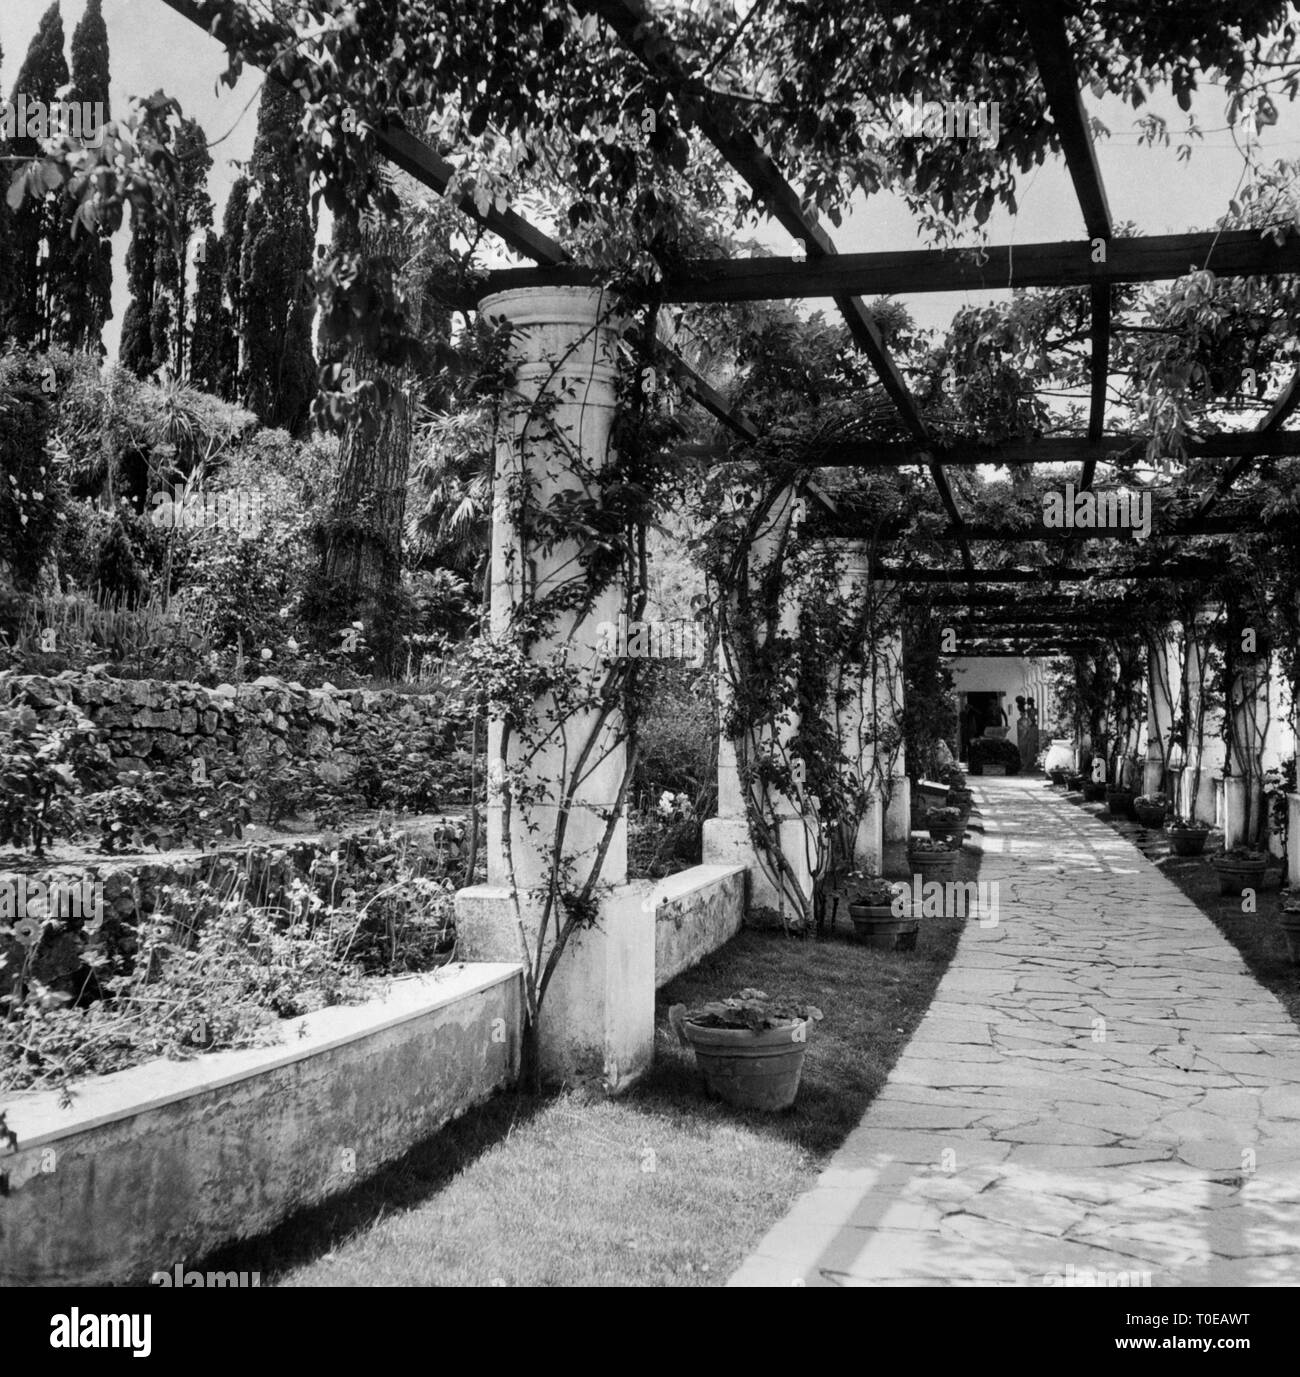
(1027, 732)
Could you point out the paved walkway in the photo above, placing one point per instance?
(1100, 1093)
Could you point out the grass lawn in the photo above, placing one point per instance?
(1255, 935)
(661, 1187)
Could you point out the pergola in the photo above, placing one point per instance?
(1057, 607)
(1099, 263)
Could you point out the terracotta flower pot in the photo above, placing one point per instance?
(1187, 841)
(1236, 875)
(1150, 814)
(878, 926)
(1093, 792)
(1074, 783)
(932, 865)
(751, 1070)
(1119, 803)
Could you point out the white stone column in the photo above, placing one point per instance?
(1163, 669)
(728, 837)
(1205, 753)
(889, 700)
(853, 719)
(597, 1016)
(1243, 781)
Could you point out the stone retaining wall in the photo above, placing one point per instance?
(157, 725)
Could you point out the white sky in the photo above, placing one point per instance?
(150, 46)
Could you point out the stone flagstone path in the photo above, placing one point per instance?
(1101, 1093)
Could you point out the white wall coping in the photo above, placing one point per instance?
(668, 888)
(36, 1117)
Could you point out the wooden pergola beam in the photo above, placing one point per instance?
(1161, 529)
(1052, 449)
(639, 31)
(1056, 69)
(1174, 570)
(397, 145)
(1151, 258)
(1266, 437)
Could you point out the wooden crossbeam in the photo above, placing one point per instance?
(404, 150)
(1051, 449)
(1176, 570)
(1152, 258)
(1015, 599)
(1056, 69)
(985, 618)
(1266, 437)
(638, 31)
(1020, 651)
(1161, 528)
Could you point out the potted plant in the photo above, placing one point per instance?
(1239, 869)
(1119, 801)
(881, 915)
(1151, 809)
(1094, 790)
(1058, 776)
(750, 1047)
(1288, 917)
(1074, 782)
(945, 824)
(1186, 837)
(932, 860)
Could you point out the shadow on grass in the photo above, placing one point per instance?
(872, 1001)
(402, 1184)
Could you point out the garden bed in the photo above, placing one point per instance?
(152, 1166)
(190, 952)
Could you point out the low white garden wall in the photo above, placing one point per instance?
(696, 911)
(162, 1163)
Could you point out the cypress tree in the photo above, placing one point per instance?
(81, 265)
(232, 252)
(214, 354)
(279, 372)
(43, 73)
(154, 330)
(137, 348)
(193, 214)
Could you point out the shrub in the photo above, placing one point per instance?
(148, 810)
(39, 759)
(665, 839)
(986, 751)
(678, 737)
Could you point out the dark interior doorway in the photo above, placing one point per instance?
(980, 709)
